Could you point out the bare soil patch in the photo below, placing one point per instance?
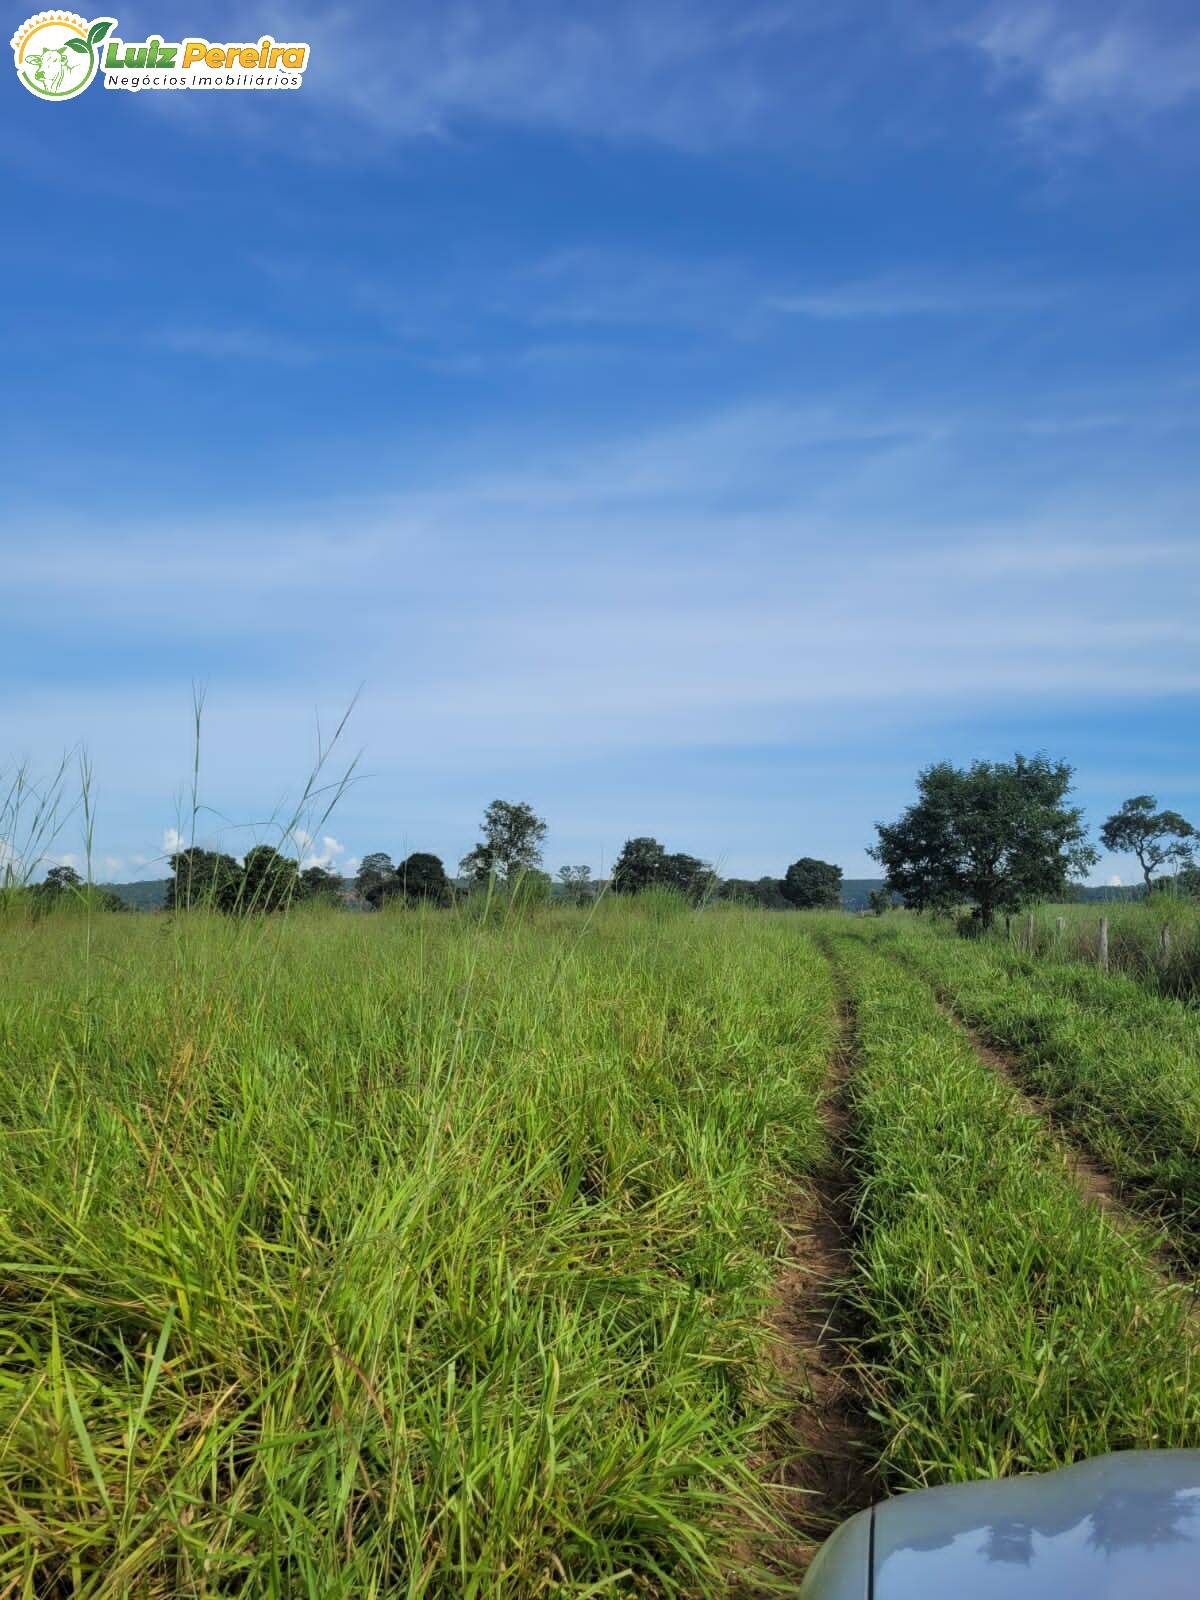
(825, 1461)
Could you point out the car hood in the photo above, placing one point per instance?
(1117, 1526)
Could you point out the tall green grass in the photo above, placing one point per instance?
(1007, 1325)
(414, 1255)
(1118, 1064)
(1136, 944)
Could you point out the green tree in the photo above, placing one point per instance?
(879, 901)
(375, 878)
(511, 844)
(639, 866)
(422, 877)
(318, 883)
(270, 881)
(62, 887)
(207, 878)
(688, 875)
(997, 835)
(769, 894)
(577, 885)
(1156, 838)
(644, 864)
(59, 881)
(810, 884)
(763, 892)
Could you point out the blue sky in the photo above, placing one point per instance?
(692, 419)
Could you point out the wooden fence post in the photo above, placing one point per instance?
(1164, 944)
(1029, 931)
(1102, 953)
(1060, 924)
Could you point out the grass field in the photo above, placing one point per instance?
(1009, 1326)
(1114, 1061)
(1156, 941)
(437, 1254)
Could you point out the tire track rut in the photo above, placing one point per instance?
(830, 1443)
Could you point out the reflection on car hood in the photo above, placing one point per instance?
(1119, 1526)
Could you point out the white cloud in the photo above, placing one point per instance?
(1108, 58)
(757, 579)
(172, 841)
(66, 858)
(1114, 881)
(235, 344)
(614, 289)
(326, 856)
(666, 72)
(644, 69)
(913, 297)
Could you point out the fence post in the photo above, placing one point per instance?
(1164, 944)
(1059, 924)
(1029, 931)
(1102, 953)
(1008, 929)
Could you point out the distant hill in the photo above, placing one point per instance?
(141, 896)
(856, 890)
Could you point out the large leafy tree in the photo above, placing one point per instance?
(59, 881)
(1157, 838)
(375, 878)
(645, 864)
(63, 886)
(996, 834)
(511, 845)
(318, 883)
(639, 866)
(270, 881)
(688, 875)
(421, 876)
(810, 884)
(206, 878)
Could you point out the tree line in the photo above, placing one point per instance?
(993, 836)
(507, 860)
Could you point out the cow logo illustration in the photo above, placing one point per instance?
(57, 53)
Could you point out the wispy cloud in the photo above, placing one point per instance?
(608, 288)
(235, 344)
(658, 69)
(689, 586)
(928, 296)
(1103, 58)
